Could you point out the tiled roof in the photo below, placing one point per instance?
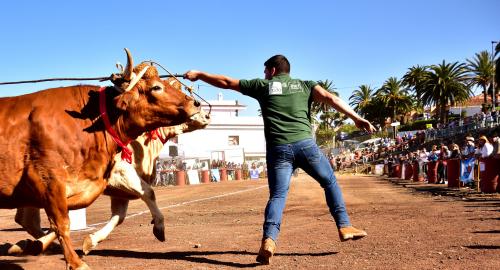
(477, 101)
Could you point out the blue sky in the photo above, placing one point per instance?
(348, 42)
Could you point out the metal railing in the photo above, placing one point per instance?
(432, 134)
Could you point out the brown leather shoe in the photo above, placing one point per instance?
(347, 233)
(266, 251)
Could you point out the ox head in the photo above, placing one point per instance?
(147, 102)
(197, 121)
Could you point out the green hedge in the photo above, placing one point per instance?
(417, 125)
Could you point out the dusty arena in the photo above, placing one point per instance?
(218, 226)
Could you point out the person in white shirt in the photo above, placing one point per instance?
(485, 148)
(483, 119)
(422, 159)
(422, 155)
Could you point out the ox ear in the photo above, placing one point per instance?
(122, 101)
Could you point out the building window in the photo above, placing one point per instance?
(233, 140)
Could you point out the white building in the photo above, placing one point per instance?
(227, 136)
(472, 106)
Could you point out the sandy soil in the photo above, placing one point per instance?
(218, 226)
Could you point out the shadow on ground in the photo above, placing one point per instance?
(196, 256)
(464, 194)
(11, 264)
(483, 247)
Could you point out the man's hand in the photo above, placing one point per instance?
(220, 81)
(362, 123)
(191, 75)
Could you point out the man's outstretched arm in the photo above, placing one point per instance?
(323, 96)
(220, 81)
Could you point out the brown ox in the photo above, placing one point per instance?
(55, 152)
(127, 181)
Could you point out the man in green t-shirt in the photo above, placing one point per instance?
(286, 107)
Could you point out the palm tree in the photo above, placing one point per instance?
(330, 120)
(374, 113)
(415, 77)
(360, 98)
(483, 69)
(395, 97)
(446, 84)
(317, 107)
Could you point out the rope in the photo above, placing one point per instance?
(58, 79)
(101, 79)
(189, 88)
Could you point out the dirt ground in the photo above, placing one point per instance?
(218, 226)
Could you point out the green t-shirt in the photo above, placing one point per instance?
(285, 104)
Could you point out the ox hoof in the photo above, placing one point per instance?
(26, 247)
(12, 250)
(159, 230)
(34, 247)
(88, 245)
(82, 266)
(159, 233)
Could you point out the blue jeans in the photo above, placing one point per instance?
(281, 161)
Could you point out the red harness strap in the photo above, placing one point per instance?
(155, 134)
(126, 153)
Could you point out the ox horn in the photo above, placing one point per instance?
(129, 69)
(136, 79)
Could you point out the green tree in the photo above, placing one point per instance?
(361, 98)
(483, 69)
(395, 97)
(318, 107)
(415, 79)
(446, 85)
(329, 119)
(328, 116)
(374, 113)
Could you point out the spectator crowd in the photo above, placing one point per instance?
(424, 146)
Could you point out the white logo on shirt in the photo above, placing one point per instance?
(295, 87)
(275, 88)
